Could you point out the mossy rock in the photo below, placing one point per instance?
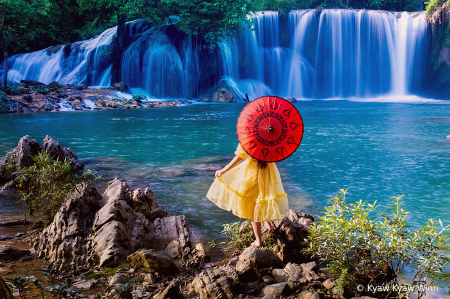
(5, 291)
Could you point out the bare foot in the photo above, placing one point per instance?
(268, 225)
(254, 244)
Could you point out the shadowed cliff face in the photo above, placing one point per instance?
(438, 63)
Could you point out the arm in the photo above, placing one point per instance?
(236, 160)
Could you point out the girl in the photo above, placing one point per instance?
(251, 190)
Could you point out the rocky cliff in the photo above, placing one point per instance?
(437, 79)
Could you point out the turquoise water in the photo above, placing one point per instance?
(377, 150)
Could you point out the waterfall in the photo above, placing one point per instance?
(308, 54)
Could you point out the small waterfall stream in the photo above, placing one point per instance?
(308, 54)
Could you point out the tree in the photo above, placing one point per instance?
(212, 20)
(18, 25)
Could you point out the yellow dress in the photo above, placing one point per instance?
(250, 192)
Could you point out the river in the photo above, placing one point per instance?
(376, 149)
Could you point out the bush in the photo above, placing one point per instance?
(373, 246)
(42, 89)
(139, 97)
(13, 88)
(6, 104)
(46, 185)
(432, 5)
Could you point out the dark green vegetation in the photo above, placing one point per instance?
(46, 185)
(368, 246)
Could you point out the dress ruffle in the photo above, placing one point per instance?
(249, 192)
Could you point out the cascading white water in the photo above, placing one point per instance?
(310, 54)
(81, 63)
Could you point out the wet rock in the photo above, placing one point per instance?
(10, 253)
(67, 238)
(25, 150)
(260, 257)
(49, 107)
(122, 86)
(57, 151)
(149, 260)
(291, 100)
(221, 92)
(172, 291)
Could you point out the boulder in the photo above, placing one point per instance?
(260, 257)
(149, 260)
(10, 253)
(25, 150)
(217, 283)
(275, 290)
(246, 270)
(54, 86)
(121, 86)
(68, 238)
(56, 151)
(221, 93)
(49, 107)
(291, 100)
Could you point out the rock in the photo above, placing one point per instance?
(309, 267)
(119, 278)
(329, 283)
(233, 261)
(9, 253)
(221, 93)
(279, 275)
(268, 280)
(150, 278)
(122, 86)
(5, 291)
(67, 238)
(49, 107)
(246, 270)
(291, 100)
(84, 284)
(54, 86)
(261, 257)
(171, 291)
(310, 295)
(3, 238)
(27, 98)
(56, 151)
(149, 260)
(18, 235)
(363, 297)
(221, 283)
(275, 290)
(31, 83)
(25, 150)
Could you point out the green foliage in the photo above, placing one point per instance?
(46, 185)
(212, 20)
(432, 5)
(239, 236)
(42, 89)
(8, 167)
(139, 97)
(373, 246)
(13, 88)
(6, 104)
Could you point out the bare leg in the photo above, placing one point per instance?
(257, 231)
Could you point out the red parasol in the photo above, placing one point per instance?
(270, 129)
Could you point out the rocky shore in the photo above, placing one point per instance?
(33, 96)
(165, 256)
